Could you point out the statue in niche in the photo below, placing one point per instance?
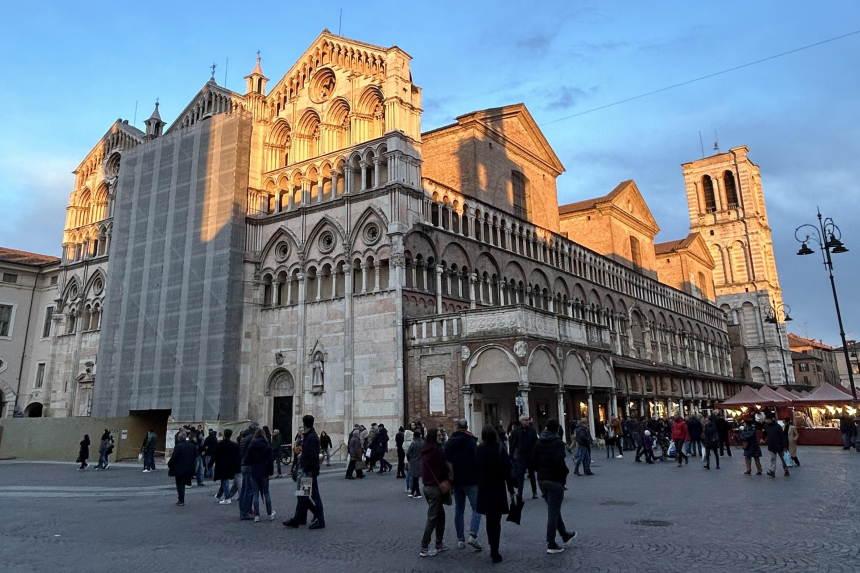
(318, 376)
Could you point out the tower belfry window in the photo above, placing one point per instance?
(731, 190)
(708, 190)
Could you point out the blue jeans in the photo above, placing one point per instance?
(246, 492)
(149, 460)
(207, 471)
(224, 490)
(198, 469)
(102, 461)
(261, 486)
(312, 504)
(583, 456)
(460, 495)
(408, 480)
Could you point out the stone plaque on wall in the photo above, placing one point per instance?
(437, 395)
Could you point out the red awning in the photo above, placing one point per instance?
(769, 392)
(824, 395)
(748, 397)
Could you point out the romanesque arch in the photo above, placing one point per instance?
(492, 364)
(543, 367)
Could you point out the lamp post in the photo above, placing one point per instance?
(772, 312)
(828, 237)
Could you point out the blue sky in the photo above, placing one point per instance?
(70, 69)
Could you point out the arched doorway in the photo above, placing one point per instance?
(33, 410)
(281, 388)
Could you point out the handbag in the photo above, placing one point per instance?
(139, 457)
(516, 512)
(445, 488)
(360, 465)
(786, 457)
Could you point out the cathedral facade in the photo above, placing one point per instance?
(305, 248)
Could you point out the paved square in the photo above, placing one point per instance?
(58, 519)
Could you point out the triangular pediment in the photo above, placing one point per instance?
(212, 99)
(343, 55)
(627, 198)
(698, 247)
(515, 124)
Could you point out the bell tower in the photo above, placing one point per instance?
(726, 204)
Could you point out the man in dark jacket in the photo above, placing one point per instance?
(209, 445)
(309, 462)
(583, 452)
(723, 428)
(277, 442)
(712, 442)
(181, 465)
(695, 428)
(246, 494)
(460, 452)
(523, 442)
(227, 463)
(775, 445)
(640, 442)
(549, 459)
(148, 450)
(380, 448)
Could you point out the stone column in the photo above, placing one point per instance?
(524, 394)
(274, 297)
(364, 168)
(363, 278)
(376, 264)
(559, 394)
(472, 280)
(438, 289)
(591, 413)
(333, 283)
(334, 178)
(289, 290)
(466, 391)
(377, 175)
(347, 179)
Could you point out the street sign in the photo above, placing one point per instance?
(520, 401)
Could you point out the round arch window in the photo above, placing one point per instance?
(371, 234)
(282, 251)
(326, 242)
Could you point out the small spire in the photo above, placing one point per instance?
(257, 68)
(155, 114)
(214, 65)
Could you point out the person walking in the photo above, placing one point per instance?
(437, 490)
(680, 435)
(647, 446)
(752, 451)
(618, 435)
(460, 453)
(105, 445)
(246, 489)
(227, 463)
(399, 439)
(608, 439)
(355, 453)
(640, 444)
(84, 453)
(791, 435)
(695, 428)
(848, 429)
(712, 442)
(325, 447)
(370, 444)
(549, 459)
(494, 475)
(523, 442)
(209, 445)
(277, 442)
(260, 459)
(196, 438)
(382, 448)
(723, 428)
(583, 452)
(148, 451)
(413, 456)
(181, 465)
(775, 445)
(309, 464)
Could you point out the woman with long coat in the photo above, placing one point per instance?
(84, 452)
(104, 448)
(413, 455)
(435, 472)
(791, 437)
(752, 451)
(494, 478)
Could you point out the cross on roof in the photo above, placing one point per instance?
(214, 65)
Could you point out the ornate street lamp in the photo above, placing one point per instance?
(829, 238)
(772, 312)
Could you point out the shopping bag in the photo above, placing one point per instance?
(672, 451)
(139, 456)
(305, 487)
(516, 512)
(786, 457)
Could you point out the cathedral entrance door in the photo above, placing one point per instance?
(282, 418)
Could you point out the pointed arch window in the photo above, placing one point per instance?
(731, 189)
(708, 190)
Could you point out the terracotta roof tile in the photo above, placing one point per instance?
(25, 258)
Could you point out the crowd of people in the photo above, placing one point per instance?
(488, 474)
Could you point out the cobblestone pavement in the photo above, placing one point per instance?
(630, 517)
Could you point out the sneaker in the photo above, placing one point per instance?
(461, 544)
(553, 548)
(256, 519)
(180, 503)
(419, 496)
(474, 544)
(408, 490)
(427, 552)
(225, 502)
(569, 538)
(442, 547)
(618, 457)
(771, 474)
(272, 515)
(146, 471)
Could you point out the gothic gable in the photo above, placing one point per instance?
(211, 100)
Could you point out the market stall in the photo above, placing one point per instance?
(823, 411)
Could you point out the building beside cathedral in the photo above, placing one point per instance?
(304, 248)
